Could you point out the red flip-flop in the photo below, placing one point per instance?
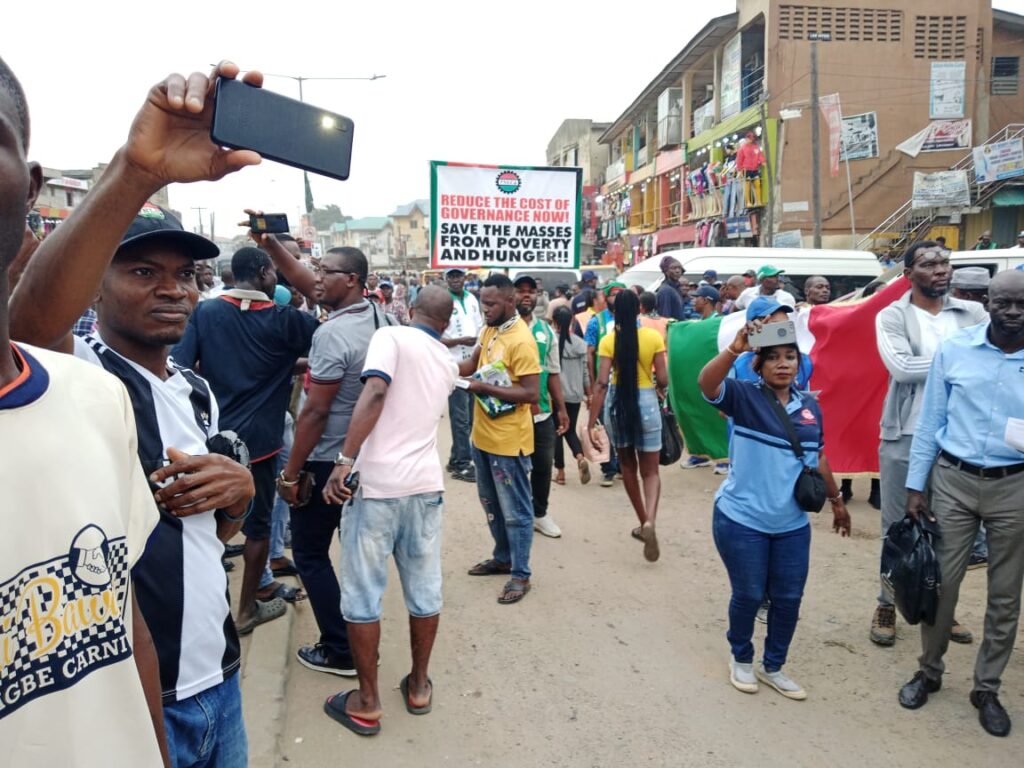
(335, 709)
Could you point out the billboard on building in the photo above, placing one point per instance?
(946, 97)
(505, 216)
(732, 77)
(941, 189)
(860, 136)
(999, 160)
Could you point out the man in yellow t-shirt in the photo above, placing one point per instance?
(503, 444)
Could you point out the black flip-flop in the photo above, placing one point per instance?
(425, 709)
(287, 570)
(288, 594)
(335, 709)
(518, 590)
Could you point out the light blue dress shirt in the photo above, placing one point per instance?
(973, 388)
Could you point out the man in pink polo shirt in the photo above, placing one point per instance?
(397, 509)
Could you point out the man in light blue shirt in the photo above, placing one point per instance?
(970, 443)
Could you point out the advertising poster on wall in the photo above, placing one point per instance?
(732, 78)
(947, 89)
(505, 216)
(999, 160)
(939, 136)
(860, 137)
(943, 188)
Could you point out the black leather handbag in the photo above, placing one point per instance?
(810, 489)
(671, 438)
(911, 570)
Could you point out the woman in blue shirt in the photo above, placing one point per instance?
(762, 534)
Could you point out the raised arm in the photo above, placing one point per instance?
(169, 141)
(717, 369)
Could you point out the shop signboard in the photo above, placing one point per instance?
(860, 137)
(999, 160)
(947, 89)
(941, 189)
(502, 216)
(732, 90)
(792, 238)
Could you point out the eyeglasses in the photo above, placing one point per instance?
(318, 270)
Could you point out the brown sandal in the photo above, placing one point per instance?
(490, 568)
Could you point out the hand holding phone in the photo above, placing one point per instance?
(773, 335)
(268, 223)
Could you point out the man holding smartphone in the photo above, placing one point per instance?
(142, 268)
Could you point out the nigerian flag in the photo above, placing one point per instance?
(691, 345)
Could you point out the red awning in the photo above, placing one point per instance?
(685, 233)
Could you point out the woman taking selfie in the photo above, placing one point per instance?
(761, 532)
(626, 394)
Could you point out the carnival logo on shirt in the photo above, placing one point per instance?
(508, 182)
(62, 619)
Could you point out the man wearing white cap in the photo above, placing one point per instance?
(1020, 242)
(460, 338)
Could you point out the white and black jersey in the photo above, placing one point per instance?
(180, 584)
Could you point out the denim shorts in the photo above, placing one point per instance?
(408, 527)
(650, 422)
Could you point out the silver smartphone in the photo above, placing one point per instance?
(774, 334)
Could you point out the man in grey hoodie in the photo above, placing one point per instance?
(908, 333)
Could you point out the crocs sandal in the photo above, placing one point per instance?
(335, 709)
(425, 709)
(265, 611)
(288, 594)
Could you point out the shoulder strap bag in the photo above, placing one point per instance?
(809, 490)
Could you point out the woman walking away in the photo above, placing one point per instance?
(572, 350)
(762, 534)
(626, 393)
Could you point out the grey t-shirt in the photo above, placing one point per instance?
(337, 355)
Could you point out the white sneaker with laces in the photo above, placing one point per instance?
(742, 676)
(781, 683)
(547, 527)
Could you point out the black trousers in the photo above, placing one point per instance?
(570, 437)
(543, 455)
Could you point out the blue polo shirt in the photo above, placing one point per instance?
(246, 348)
(758, 492)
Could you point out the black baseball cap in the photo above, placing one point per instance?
(154, 223)
(525, 279)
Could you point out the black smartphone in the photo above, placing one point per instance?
(270, 223)
(352, 482)
(282, 129)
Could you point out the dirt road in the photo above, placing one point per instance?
(613, 661)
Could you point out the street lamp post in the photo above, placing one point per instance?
(300, 79)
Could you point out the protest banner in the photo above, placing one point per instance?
(503, 216)
(999, 160)
(943, 188)
(939, 136)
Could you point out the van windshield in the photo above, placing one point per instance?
(549, 277)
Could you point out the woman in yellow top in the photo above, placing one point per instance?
(626, 393)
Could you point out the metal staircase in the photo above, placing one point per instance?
(907, 223)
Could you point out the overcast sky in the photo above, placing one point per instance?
(466, 81)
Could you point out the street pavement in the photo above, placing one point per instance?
(613, 661)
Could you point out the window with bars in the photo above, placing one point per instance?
(862, 25)
(1005, 75)
(940, 37)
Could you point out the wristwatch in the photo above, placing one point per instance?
(344, 461)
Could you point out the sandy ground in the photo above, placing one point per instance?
(613, 661)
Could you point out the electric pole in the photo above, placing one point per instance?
(200, 209)
(815, 146)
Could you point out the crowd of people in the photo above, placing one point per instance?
(304, 399)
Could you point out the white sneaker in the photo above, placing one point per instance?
(546, 526)
(742, 676)
(778, 680)
(722, 468)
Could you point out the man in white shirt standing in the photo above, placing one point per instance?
(768, 284)
(460, 338)
(398, 507)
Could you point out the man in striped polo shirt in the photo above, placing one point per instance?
(141, 266)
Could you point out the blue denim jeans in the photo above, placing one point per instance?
(503, 483)
(761, 564)
(372, 530)
(207, 729)
(460, 414)
(278, 523)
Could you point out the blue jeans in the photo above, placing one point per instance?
(761, 564)
(278, 523)
(981, 542)
(503, 483)
(207, 729)
(460, 414)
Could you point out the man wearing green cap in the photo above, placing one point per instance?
(768, 284)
